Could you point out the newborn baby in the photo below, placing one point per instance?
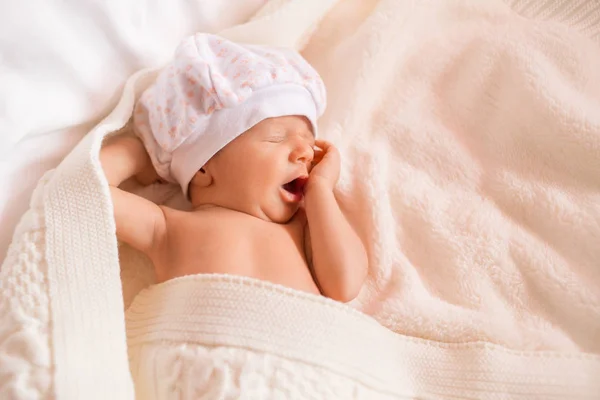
(235, 127)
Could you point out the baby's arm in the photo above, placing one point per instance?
(140, 223)
(339, 258)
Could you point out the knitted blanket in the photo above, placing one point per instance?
(470, 139)
(223, 337)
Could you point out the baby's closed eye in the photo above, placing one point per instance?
(275, 139)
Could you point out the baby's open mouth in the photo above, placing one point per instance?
(296, 187)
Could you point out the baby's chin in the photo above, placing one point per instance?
(284, 216)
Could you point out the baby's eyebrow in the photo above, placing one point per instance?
(308, 134)
(287, 131)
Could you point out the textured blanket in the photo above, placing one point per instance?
(473, 137)
(470, 140)
(223, 337)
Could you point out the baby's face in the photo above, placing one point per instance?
(263, 171)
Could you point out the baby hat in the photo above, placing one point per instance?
(213, 91)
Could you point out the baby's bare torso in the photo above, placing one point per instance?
(229, 242)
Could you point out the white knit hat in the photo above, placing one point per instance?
(213, 91)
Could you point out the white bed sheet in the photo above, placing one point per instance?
(20, 171)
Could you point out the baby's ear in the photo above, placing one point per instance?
(202, 178)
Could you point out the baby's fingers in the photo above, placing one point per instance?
(323, 144)
(318, 155)
(329, 150)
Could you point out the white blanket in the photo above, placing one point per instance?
(224, 337)
(470, 140)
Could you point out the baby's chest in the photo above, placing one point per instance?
(244, 247)
(264, 251)
(278, 255)
(272, 245)
(267, 251)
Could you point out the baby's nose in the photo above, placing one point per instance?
(303, 153)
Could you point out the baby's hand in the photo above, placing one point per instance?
(326, 166)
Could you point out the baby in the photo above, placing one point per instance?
(235, 127)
